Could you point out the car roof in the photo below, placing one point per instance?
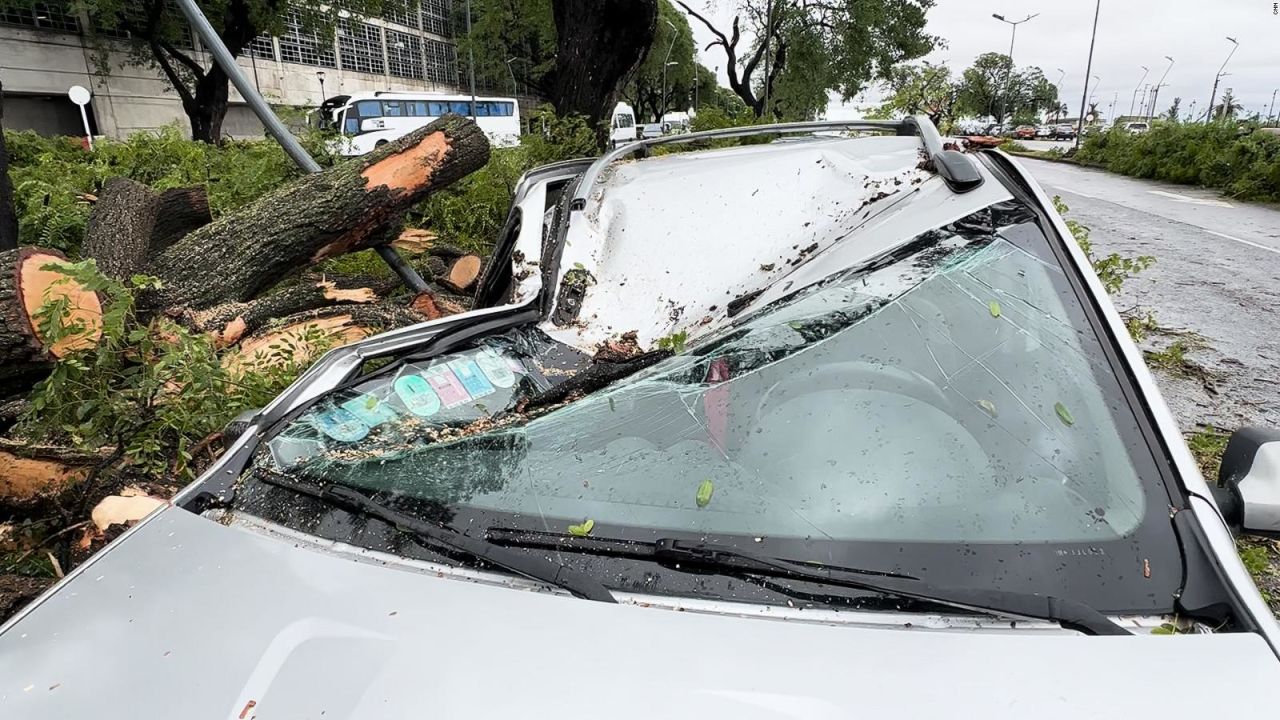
(682, 243)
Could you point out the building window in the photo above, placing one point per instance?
(402, 12)
(305, 48)
(360, 47)
(42, 15)
(260, 47)
(404, 54)
(436, 17)
(442, 62)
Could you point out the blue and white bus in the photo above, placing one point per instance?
(368, 120)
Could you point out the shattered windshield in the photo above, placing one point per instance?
(947, 392)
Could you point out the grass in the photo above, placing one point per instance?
(1207, 445)
(1172, 358)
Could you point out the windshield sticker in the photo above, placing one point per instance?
(340, 425)
(371, 411)
(446, 385)
(497, 369)
(417, 395)
(468, 373)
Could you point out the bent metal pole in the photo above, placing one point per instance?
(209, 38)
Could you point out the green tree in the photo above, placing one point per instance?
(1172, 113)
(510, 39)
(1228, 108)
(802, 47)
(923, 88)
(993, 87)
(650, 91)
(158, 36)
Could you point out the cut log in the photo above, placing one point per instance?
(34, 474)
(463, 273)
(118, 235)
(24, 287)
(229, 322)
(434, 306)
(299, 338)
(180, 211)
(414, 241)
(345, 208)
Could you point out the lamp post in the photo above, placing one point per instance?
(1134, 100)
(1271, 112)
(1097, 10)
(1235, 44)
(1156, 92)
(665, 62)
(1008, 76)
(320, 77)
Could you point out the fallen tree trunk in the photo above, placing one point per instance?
(229, 322)
(179, 211)
(31, 475)
(24, 287)
(348, 207)
(118, 235)
(463, 273)
(300, 337)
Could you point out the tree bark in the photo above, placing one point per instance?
(8, 216)
(24, 287)
(294, 337)
(599, 43)
(118, 235)
(208, 106)
(345, 208)
(180, 211)
(33, 475)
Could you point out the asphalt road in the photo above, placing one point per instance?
(1215, 285)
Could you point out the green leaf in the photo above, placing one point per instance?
(1064, 414)
(1165, 629)
(703, 497)
(994, 307)
(988, 406)
(582, 530)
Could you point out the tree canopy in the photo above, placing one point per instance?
(650, 91)
(993, 87)
(923, 88)
(804, 48)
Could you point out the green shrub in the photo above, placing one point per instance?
(1013, 146)
(1241, 162)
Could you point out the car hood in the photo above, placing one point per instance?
(186, 618)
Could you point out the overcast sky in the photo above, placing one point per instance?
(1131, 33)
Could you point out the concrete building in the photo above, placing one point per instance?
(45, 51)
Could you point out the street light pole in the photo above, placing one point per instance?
(471, 63)
(1084, 96)
(1134, 100)
(663, 97)
(1008, 76)
(1235, 44)
(1151, 112)
(1270, 113)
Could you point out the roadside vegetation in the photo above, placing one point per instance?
(1241, 161)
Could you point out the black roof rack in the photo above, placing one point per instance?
(955, 168)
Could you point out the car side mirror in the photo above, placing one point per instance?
(1248, 489)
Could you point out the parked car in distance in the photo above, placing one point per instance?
(1136, 128)
(1044, 131)
(1025, 132)
(648, 131)
(622, 127)
(1064, 131)
(806, 429)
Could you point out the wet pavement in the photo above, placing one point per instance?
(1215, 285)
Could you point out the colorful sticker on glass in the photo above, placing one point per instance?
(496, 369)
(468, 373)
(340, 425)
(372, 411)
(446, 385)
(417, 395)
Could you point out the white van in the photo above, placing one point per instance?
(370, 119)
(622, 129)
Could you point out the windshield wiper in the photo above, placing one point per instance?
(531, 566)
(1070, 614)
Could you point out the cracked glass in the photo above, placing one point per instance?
(950, 391)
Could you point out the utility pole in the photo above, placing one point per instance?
(471, 63)
(1270, 113)
(1156, 93)
(1111, 112)
(1008, 76)
(1133, 101)
(662, 110)
(1084, 96)
(1146, 93)
(1235, 44)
